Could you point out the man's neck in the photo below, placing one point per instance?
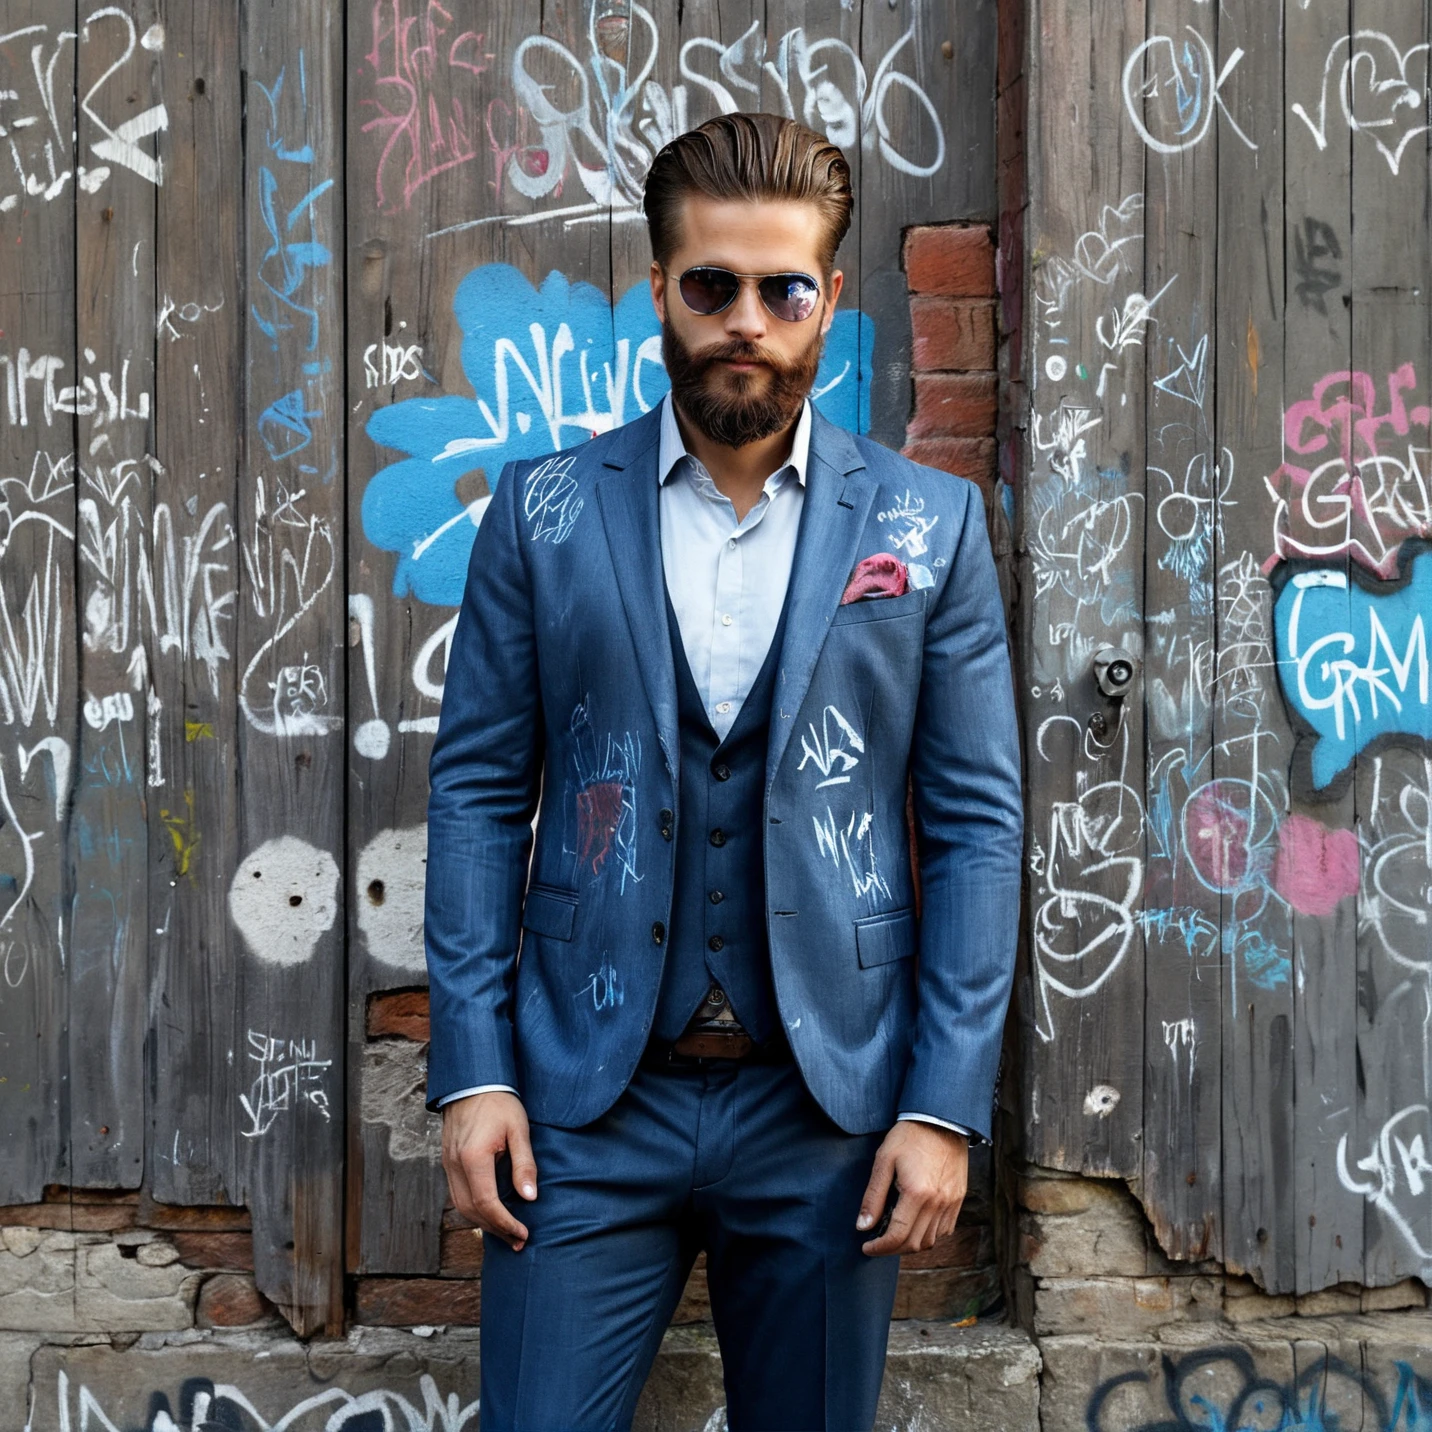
(739, 473)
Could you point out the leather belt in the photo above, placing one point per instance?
(698, 1046)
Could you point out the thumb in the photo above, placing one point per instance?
(872, 1205)
(524, 1166)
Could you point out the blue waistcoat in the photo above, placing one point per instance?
(718, 910)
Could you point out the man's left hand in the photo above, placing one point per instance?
(930, 1168)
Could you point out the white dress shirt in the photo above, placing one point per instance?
(727, 581)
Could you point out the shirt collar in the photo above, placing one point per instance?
(673, 449)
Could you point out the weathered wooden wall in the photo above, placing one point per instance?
(1229, 475)
(282, 288)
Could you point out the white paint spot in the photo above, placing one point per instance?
(283, 897)
(153, 38)
(391, 870)
(524, 422)
(1055, 367)
(1101, 1100)
(919, 575)
(371, 739)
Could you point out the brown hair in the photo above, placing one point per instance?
(753, 157)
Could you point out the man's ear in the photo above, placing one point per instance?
(658, 290)
(832, 296)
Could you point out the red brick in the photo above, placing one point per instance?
(954, 405)
(973, 458)
(215, 1250)
(461, 1252)
(953, 259)
(401, 1012)
(212, 1217)
(945, 1292)
(413, 1302)
(72, 1218)
(230, 1300)
(952, 333)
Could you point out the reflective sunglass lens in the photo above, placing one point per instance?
(708, 290)
(791, 296)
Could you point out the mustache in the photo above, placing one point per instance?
(737, 350)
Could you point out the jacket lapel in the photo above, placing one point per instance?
(627, 495)
(831, 525)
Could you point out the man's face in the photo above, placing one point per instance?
(742, 374)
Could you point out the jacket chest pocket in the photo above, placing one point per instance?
(879, 609)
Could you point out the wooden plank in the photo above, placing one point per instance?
(285, 898)
(190, 599)
(38, 636)
(1390, 259)
(1252, 745)
(1198, 823)
(1082, 566)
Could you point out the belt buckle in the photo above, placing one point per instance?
(714, 1044)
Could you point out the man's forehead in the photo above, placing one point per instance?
(751, 236)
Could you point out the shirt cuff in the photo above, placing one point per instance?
(943, 1123)
(476, 1089)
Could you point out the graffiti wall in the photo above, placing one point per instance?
(285, 288)
(1228, 994)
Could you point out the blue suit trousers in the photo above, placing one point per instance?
(734, 1158)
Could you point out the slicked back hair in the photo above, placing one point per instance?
(753, 157)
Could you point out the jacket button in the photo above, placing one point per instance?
(658, 932)
(717, 897)
(716, 942)
(722, 773)
(718, 837)
(665, 817)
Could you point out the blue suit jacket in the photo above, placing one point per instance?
(561, 694)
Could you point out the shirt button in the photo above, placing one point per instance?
(718, 837)
(716, 942)
(727, 619)
(731, 543)
(722, 773)
(658, 932)
(723, 707)
(716, 995)
(717, 897)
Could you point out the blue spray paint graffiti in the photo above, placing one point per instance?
(548, 367)
(1352, 663)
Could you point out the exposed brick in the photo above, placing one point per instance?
(1343, 1298)
(215, 1218)
(1121, 1306)
(695, 1304)
(969, 1246)
(400, 1012)
(973, 458)
(952, 333)
(230, 1300)
(70, 1218)
(461, 1255)
(1410, 1293)
(945, 1292)
(954, 405)
(952, 259)
(216, 1250)
(412, 1302)
(1055, 1193)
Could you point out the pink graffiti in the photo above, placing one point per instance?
(1365, 490)
(1216, 834)
(1315, 867)
(421, 76)
(599, 811)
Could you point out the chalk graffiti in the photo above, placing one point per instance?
(1171, 92)
(548, 368)
(603, 786)
(1353, 666)
(423, 70)
(1381, 89)
(853, 845)
(1223, 1389)
(550, 500)
(283, 898)
(1358, 498)
(204, 1403)
(604, 986)
(828, 752)
(1395, 1177)
(289, 1073)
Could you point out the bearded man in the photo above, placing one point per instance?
(720, 671)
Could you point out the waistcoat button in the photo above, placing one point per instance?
(722, 773)
(716, 942)
(717, 897)
(718, 837)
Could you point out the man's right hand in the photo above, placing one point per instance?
(476, 1132)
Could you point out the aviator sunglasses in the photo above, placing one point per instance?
(791, 297)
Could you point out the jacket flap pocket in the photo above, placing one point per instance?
(549, 912)
(882, 939)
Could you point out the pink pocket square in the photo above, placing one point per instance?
(881, 575)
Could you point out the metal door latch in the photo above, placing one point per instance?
(1114, 674)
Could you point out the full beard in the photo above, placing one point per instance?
(734, 409)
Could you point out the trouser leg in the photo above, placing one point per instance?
(572, 1323)
(802, 1315)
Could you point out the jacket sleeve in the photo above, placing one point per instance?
(969, 828)
(484, 778)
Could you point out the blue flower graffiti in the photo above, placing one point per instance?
(549, 368)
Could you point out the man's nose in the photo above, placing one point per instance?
(746, 317)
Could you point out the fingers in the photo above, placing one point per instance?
(524, 1166)
(872, 1204)
(909, 1208)
(489, 1212)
